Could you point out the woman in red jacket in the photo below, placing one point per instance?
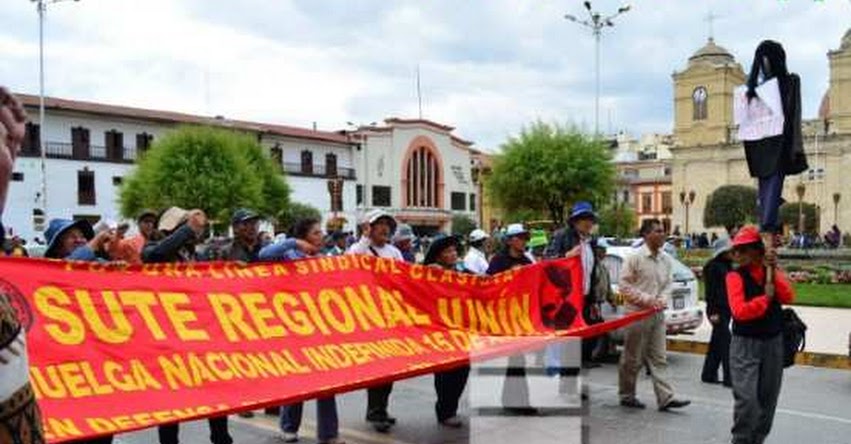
(756, 351)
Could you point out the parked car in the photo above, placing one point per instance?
(683, 314)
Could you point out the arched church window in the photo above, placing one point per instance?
(423, 173)
(699, 98)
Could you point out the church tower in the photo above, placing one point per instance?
(838, 107)
(703, 96)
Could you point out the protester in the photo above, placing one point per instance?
(756, 350)
(180, 231)
(377, 231)
(515, 390)
(307, 231)
(476, 260)
(449, 385)
(246, 243)
(337, 245)
(17, 248)
(403, 239)
(602, 294)
(646, 281)
(23, 424)
(575, 241)
(718, 311)
(130, 249)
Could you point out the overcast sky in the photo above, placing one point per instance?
(488, 66)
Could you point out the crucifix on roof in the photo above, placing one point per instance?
(710, 20)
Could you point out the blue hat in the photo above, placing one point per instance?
(57, 227)
(582, 208)
(243, 215)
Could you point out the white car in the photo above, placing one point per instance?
(683, 313)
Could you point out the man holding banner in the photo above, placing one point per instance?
(375, 241)
(20, 420)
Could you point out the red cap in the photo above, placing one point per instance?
(747, 235)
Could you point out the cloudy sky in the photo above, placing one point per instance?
(487, 66)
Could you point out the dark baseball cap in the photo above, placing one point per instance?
(243, 215)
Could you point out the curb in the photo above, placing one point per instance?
(812, 359)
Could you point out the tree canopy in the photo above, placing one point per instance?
(789, 216)
(550, 166)
(213, 169)
(730, 206)
(618, 220)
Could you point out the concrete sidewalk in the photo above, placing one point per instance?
(827, 329)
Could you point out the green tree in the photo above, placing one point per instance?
(618, 220)
(462, 225)
(789, 216)
(548, 167)
(294, 212)
(199, 167)
(730, 206)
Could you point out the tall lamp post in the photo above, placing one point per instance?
(800, 190)
(687, 199)
(41, 6)
(836, 197)
(596, 22)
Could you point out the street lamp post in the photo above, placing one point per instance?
(596, 23)
(800, 190)
(41, 6)
(687, 199)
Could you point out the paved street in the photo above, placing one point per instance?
(814, 408)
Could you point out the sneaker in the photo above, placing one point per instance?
(289, 437)
(248, 414)
(381, 425)
(674, 404)
(455, 422)
(633, 404)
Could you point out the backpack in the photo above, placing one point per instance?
(794, 336)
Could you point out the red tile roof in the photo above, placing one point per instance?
(55, 103)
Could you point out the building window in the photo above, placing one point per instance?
(667, 203)
(114, 142)
(117, 180)
(143, 142)
(331, 165)
(86, 187)
(277, 154)
(80, 147)
(646, 203)
(423, 179)
(32, 139)
(625, 196)
(459, 201)
(306, 162)
(359, 194)
(699, 98)
(380, 196)
(472, 202)
(17, 177)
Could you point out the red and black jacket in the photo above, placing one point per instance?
(753, 313)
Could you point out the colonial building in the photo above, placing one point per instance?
(707, 155)
(91, 147)
(419, 171)
(416, 169)
(644, 176)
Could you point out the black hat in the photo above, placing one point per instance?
(438, 245)
(243, 215)
(147, 213)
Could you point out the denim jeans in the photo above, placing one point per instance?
(327, 427)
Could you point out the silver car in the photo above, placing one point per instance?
(683, 314)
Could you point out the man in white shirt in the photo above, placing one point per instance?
(375, 241)
(476, 259)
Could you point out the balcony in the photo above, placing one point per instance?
(63, 150)
(294, 169)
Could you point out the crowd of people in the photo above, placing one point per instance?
(750, 354)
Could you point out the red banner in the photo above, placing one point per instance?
(115, 350)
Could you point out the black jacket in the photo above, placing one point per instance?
(179, 246)
(715, 287)
(783, 153)
(563, 241)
